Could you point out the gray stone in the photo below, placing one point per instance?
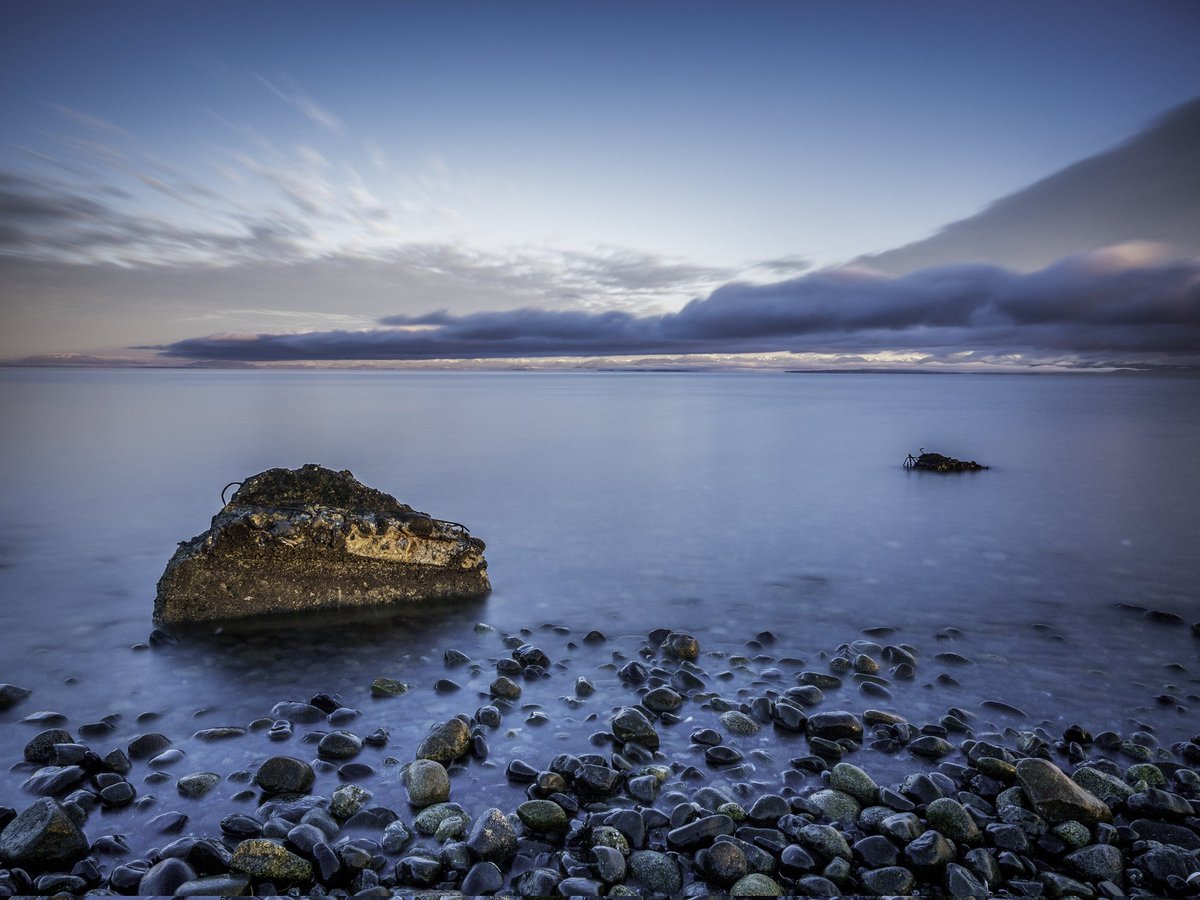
(197, 784)
(1098, 862)
(538, 883)
(656, 872)
(162, 878)
(876, 852)
(850, 779)
(543, 816)
(834, 725)
(446, 742)
(756, 885)
(43, 836)
(631, 725)
(261, 858)
(40, 749)
(388, 687)
(1166, 833)
(739, 723)
(700, 832)
(51, 780)
(339, 745)
(836, 805)
(312, 538)
(285, 775)
(904, 827)
(505, 688)
(577, 886)
(427, 783)
(1158, 804)
(395, 836)
(11, 695)
(215, 886)
(952, 819)
(430, 819)
(482, 879)
(610, 864)
(1163, 862)
(1056, 797)
(826, 841)
(931, 746)
(347, 800)
(681, 646)
(662, 699)
(1101, 784)
(890, 881)
(929, 851)
(962, 882)
(493, 837)
(1057, 885)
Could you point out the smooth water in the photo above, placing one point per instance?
(722, 504)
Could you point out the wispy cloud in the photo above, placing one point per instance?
(1092, 308)
(303, 104)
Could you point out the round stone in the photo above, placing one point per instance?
(285, 775)
(950, 818)
(739, 723)
(505, 688)
(656, 872)
(852, 780)
(724, 862)
(427, 783)
(756, 885)
(681, 646)
(197, 785)
(543, 816)
(836, 805)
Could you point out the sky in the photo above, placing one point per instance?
(901, 182)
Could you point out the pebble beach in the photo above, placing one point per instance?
(660, 767)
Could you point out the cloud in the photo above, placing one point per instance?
(305, 105)
(1147, 189)
(1091, 308)
(44, 220)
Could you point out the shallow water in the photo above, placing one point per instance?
(722, 504)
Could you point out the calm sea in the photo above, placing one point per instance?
(723, 504)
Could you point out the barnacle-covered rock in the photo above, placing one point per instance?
(290, 540)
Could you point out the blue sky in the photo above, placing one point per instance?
(329, 164)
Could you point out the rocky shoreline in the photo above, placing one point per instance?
(982, 811)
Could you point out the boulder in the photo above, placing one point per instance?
(42, 837)
(304, 539)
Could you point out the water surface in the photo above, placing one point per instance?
(723, 504)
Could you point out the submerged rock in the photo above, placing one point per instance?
(935, 462)
(311, 538)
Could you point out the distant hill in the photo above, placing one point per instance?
(1146, 189)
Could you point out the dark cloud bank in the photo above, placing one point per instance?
(1093, 309)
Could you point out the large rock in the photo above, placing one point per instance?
(311, 538)
(1056, 797)
(42, 837)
